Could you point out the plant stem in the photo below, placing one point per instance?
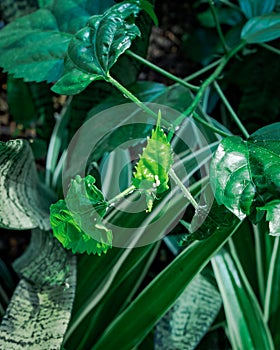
(231, 111)
(130, 96)
(121, 195)
(189, 111)
(270, 48)
(197, 117)
(217, 23)
(161, 71)
(203, 70)
(183, 188)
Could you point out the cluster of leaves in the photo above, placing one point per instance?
(74, 43)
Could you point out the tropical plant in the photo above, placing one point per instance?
(206, 188)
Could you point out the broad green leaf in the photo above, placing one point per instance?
(24, 201)
(245, 174)
(272, 302)
(77, 220)
(33, 47)
(151, 173)
(253, 8)
(261, 29)
(229, 16)
(183, 326)
(40, 309)
(95, 48)
(127, 331)
(246, 325)
(273, 216)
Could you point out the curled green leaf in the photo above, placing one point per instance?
(95, 48)
(151, 173)
(77, 220)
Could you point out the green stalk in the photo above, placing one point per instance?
(203, 70)
(218, 26)
(161, 71)
(183, 188)
(189, 111)
(197, 117)
(231, 111)
(121, 195)
(270, 48)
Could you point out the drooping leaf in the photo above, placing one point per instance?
(246, 325)
(245, 174)
(77, 220)
(33, 47)
(261, 29)
(183, 326)
(273, 216)
(24, 201)
(253, 8)
(40, 309)
(95, 48)
(151, 173)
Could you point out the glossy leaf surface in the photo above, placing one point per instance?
(77, 220)
(151, 174)
(253, 8)
(33, 47)
(261, 29)
(273, 216)
(245, 174)
(246, 325)
(24, 201)
(95, 49)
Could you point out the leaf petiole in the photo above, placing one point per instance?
(121, 195)
(183, 188)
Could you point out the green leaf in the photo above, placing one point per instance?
(33, 47)
(273, 216)
(77, 220)
(24, 201)
(10, 9)
(245, 174)
(246, 326)
(40, 308)
(253, 8)
(151, 173)
(272, 302)
(261, 29)
(127, 331)
(95, 49)
(183, 326)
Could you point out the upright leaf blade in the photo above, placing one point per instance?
(183, 326)
(127, 330)
(246, 325)
(22, 205)
(40, 309)
(253, 8)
